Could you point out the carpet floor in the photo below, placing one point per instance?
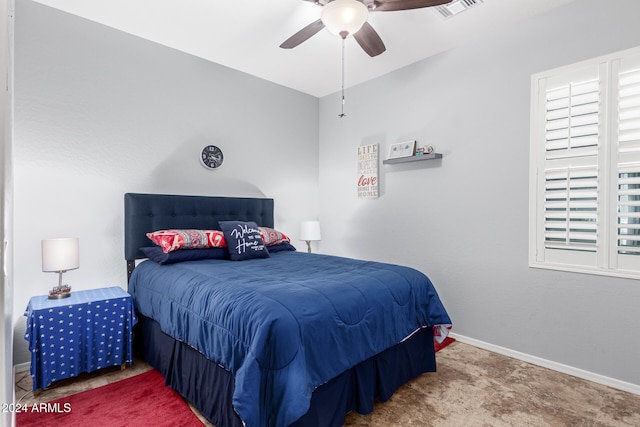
(473, 387)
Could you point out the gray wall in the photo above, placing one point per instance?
(6, 285)
(99, 113)
(464, 220)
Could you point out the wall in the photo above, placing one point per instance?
(463, 220)
(99, 113)
(6, 284)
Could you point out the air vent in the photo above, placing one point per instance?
(456, 6)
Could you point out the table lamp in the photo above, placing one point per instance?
(310, 231)
(60, 255)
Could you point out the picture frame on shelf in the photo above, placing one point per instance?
(402, 149)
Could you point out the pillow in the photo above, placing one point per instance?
(272, 237)
(284, 246)
(243, 240)
(156, 254)
(172, 240)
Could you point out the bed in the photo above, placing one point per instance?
(285, 338)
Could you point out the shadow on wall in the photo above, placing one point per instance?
(181, 172)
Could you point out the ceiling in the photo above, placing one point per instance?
(246, 34)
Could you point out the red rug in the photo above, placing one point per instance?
(448, 340)
(139, 401)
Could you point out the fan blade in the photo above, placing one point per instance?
(369, 40)
(303, 35)
(390, 5)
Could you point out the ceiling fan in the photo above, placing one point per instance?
(349, 17)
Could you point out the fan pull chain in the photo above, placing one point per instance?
(342, 114)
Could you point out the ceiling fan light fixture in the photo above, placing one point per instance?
(344, 16)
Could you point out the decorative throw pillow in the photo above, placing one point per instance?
(284, 246)
(172, 240)
(243, 240)
(272, 237)
(156, 254)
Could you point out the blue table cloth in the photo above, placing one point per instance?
(90, 330)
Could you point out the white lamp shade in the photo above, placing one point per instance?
(310, 230)
(344, 16)
(60, 254)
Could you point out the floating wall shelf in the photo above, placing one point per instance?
(412, 158)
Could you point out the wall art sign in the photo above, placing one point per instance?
(368, 171)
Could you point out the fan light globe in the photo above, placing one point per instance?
(344, 16)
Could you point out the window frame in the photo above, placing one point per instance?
(605, 257)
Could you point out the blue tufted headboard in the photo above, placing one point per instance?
(151, 212)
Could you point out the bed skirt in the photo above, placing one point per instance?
(209, 387)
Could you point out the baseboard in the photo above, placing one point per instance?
(21, 367)
(565, 369)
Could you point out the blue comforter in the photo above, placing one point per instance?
(287, 324)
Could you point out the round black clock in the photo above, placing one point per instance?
(211, 157)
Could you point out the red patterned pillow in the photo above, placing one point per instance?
(272, 237)
(172, 240)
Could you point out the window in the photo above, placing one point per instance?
(585, 167)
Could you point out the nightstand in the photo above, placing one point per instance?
(88, 331)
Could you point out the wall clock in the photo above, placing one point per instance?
(211, 157)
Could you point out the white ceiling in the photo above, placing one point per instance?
(246, 34)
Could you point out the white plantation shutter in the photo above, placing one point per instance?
(628, 236)
(629, 110)
(627, 244)
(568, 173)
(585, 167)
(571, 209)
(572, 120)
